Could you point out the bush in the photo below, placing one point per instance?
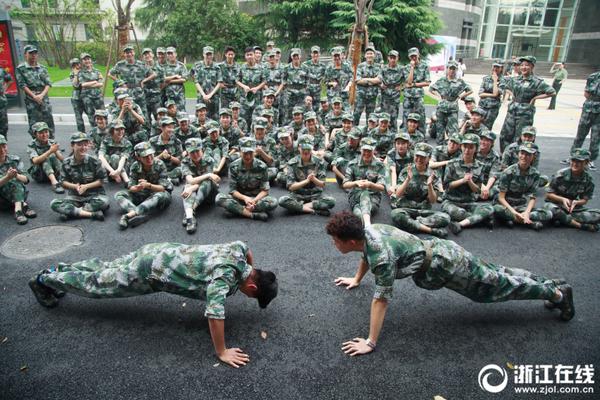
(98, 51)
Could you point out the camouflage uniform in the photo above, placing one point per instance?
(342, 76)
(229, 93)
(268, 145)
(153, 92)
(390, 96)
(218, 149)
(176, 91)
(315, 76)
(97, 136)
(413, 96)
(447, 108)
(77, 103)
(207, 189)
(208, 77)
(333, 121)
(342, 156)
(182, 136)
(206, 272)
(113, 152)
(366, 95)
(251, 77)
(296, 79)
(440, 153)
(86, 171)
(36, 78)
(91, 98)
(590, 117)
(173, 146)
(133, 75)
(364, 201)
(491, 168)
(258, 113)
(384, 139)
(393, 158)
(393, 254)
(274, 78)
(282, 156)
(5, 77)
(14, 190)
(52, 165)
(491, 105)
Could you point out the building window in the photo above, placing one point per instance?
(467, 30)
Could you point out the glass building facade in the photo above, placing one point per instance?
(526, 27)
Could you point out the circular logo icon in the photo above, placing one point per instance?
(484, 375)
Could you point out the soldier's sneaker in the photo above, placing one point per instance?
(490, 223)
(20, 217)
(98, 215)
(455, 227)
(439, 232)
(589, 227)
(260, 216)
(536, 225)
(123, 222)
(59, 189)
(63, 217)
(190, 226)
(510, 224)
(550, 305)
(566, 306)
(28, 211)
(324, 213)
(566, 161)
(44, 295)
(138, 220)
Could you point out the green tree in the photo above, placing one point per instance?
(191, 24)
(394, 24)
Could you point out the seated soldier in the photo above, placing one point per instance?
(114, 153)
(365, 178)
(491, 165)
(149, 188)
(269, 125)
(470, 106)
(413, 121)
(510, 155)
(268, 99)
(442, 156)
(248, 186)
(569, 191)
(161, 112)
(397, 158)
(462, 184)
(333, 119)
(413, 198)
(339, 136)
(284, 152)
(13, 193)
(218, 148)
(172, 110)
(306, 175)
(228, 131)
(99, 132)
(82, 175)
(185, 130)
(236, 120)
(517, 186)
(45, 156)
(208, 272)
(383, 135)
(201, 120)
(318, 135)
(344, 153)
(168, 149)
(297, 123)
(475, 123)
(372, 123)
(201, 184)
(265, 147)
(133, 118)
(323, 111)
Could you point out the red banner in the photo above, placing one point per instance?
(6, 61)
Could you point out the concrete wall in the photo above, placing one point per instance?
(453, 13)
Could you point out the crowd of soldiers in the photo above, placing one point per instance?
(264, 122)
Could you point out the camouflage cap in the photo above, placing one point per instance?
(101, 113)
(117, 124)
(118, 83)
(84, 56)
(529, 59)
(413, 51)
(225, 111)
(123, 96)
(268, 112)
(578, 154)
(517, 61)
(39, 127)
(212, 126)
(193, 144)
(470, 138)
(146, 50)
(402, 136)
(127, 47)
(413, 117)
(315, 49)
(384, 116)
(295, 51)
(393, 53)
(160, 50)
(480, 111)
(268, 92)
(324, 99)
(298, 110)
(336, 51)
(305, 142)
(310, 115)
(367, 143)
(354, 134)
(74, 61)
(143, 149)
(247, 144)
(170, 103)
(529, 130)
(260, 123)
(171, 49)
(270, 43)
(423, 149)
(336, 100)
(234, 104)
(469, 99)
(183, 117)
(498, 63)
(277, 50)
(207, 50)
(347, 117)
(79, 137)
(373, 117)
(161, 110)
(455, 137)
(529, 147)
(270, 53)
(451, 64)
(30, 49)
(488, 135)
(257, 48)
(167, 121)
(283, 132)
(370, 48)
(200, 106)
(2, 139)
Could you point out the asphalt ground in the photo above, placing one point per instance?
(158, 346)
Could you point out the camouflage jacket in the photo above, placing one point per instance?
(420, 74)
(218, 149)
(564, 184)
(5, 77)
(232, 134)
(175, 90)
(592, 86)
(366, 70)
(97, 137)
(525, 89)
(416, 193)
(384, 140)
(35, 148)
(157, 175)
(90, 75)
(456, 170)
(449, 90)
(298, 171)
(274, 76)
(208, 76)
(188, 167)
(182, 136)
(491, 164)
(357, 170)
(395, 159)
(345, 153)
(314, 73)
(152, 87)
(229, 75)
(87, 171)
(487, 86)
(341, 75)
(12, 161)
(132, 74)
(250, 181)
(295, 78)
(391, 78)
(109, 147)
(35, 78)
(511, 156)
(519, 188)
(283, 155)
(173, 146)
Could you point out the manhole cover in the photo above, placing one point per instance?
(41, 242)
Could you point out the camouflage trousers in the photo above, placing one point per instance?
(414, 105)
(40, 173)
(589, 122)
(411, 219)
(491, 114)
(294, 202)
(90, 105)
(138, 137)
(3, 121)
(537, 214)
(281, 178)
(582, 215)
(77, 105)
(363, 102)
(173, 172)
(39, 113)
(314, 91)
(226, 96)
(455, 268)
(153, 103)
(475, 212)
(212, 106)
(12, 192)
(516, 120)
(114, 159)
(142, 202)
(272, 173)
(391, 105)
(447, 122)
(236, 207)
(71, 205)
(207, 191)
(292, 98)
(364, 201)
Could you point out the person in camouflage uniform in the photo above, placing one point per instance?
(297, 123)
(275, 84)
(318, 136)
(470, 104)
(76, 102)
(315, 70)
(207, 78)
(333, 119)
(491, 92)
(323, 110)
(236, 120)
(383, 135)
(338, 135)
(132, 116)
(338, 78)
(99, 131)
(491, 165)
(90, 82)
(228, 131)
(415, 76)
(230, 71)
(114, 153)
(589, 122)
(569, 191)
(248, 186)
(251, 79)
(218, 148)
(517, 186)
(391, 84)
(135, 74)
(265, 147)
(5, 81)
(391, 254)
(475, 123)
(462, 183)
(206, 272)
(161, 112)
(201, 184)
(13, 193)
(82, 175)
(295, 78)
(413, 197)
(367, 83)
(442, 155)
(365, 180)
(396, 159)
(268, 104)
(525, 90)
(176, 74)
(413, 121)
(169, 149)
(450, 89)
(153, 87)
(46, 157)
(284, 152)
(345, 152)
(511, 152)
(149, 188)
(305, 181)
(202, 120)
(185, 130)
(33, 79)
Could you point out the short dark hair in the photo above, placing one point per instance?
(266, 287)
(345, 226)
(249, 50)
(228, 48)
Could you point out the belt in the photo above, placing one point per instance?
(427, 261)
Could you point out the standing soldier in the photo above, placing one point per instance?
(491, 92)
(525, 90)
(295, 78)
(338, 76)
(45, 156)
(161, 56)
(367, 82)
(90, 83)
(391, 84)
(274, 78)
(176, 74)
(207, 77)
(135, 74)
(5, 80)
(34, 80)
(450, 89)
(560, 76)
(415, 76)
(152, 88)
(315, 73)
(13, 179)
(251, 79)
(76, 102)
(230, 71)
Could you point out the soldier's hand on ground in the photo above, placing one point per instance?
(234, 357)
(356, 347)
(350, 283)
